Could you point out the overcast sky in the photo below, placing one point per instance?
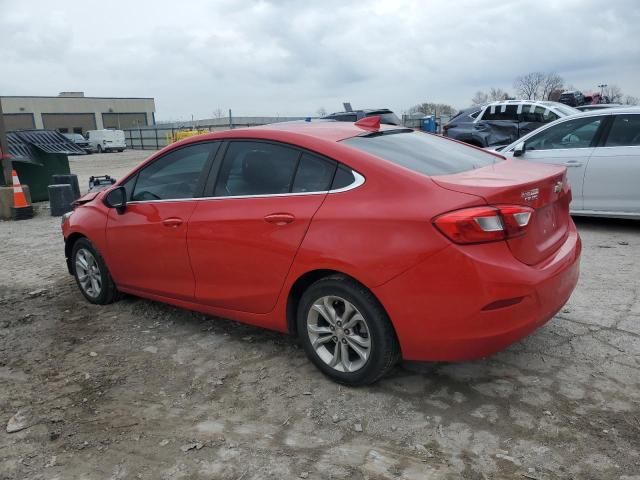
(291, 57)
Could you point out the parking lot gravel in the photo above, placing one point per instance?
(139, 389)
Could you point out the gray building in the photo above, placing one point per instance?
(72, 112)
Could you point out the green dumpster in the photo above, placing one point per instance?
(39, 154)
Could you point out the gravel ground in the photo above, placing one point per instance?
(138, 389)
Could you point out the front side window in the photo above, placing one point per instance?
(256, 168)
(174, 175)
(625, 131)
(578, 133)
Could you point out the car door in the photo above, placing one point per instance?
(569, 143)
(498, 125)
(243, 239)
(147, 243)
(612, 178)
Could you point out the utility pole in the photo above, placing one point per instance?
(602, 87)
(6, 178)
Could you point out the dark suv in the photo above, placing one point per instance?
(386, 116)
(500, 123)
(572, 98)
(461, 124)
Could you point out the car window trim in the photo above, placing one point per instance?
(357, 182)
(209, 190)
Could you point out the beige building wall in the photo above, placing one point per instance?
(143, 109)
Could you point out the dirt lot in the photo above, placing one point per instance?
(142, 390)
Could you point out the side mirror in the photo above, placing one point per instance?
(519, 149)
(117, 198)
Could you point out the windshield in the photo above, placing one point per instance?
(422, 152)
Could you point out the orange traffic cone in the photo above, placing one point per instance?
(21, 209)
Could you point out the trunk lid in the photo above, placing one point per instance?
(515, 182)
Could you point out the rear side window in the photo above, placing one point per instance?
(344, 177)
(625, 131)
(256, 168)
(314, 174)
(423, 153)
(501, 112)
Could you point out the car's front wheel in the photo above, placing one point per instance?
(91, 273)
(345, 331)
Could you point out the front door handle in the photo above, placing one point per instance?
(172, 222)
(572, 163)
(279, 218)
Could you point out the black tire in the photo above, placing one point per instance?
(121, 150)
(99, 148)
(108, 292)
(384, 350)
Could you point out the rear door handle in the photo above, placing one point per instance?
(172, 222)
(279, 218)
(572, 163)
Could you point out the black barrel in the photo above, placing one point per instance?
(71, 179)
(60, 199)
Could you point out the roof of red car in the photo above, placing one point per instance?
(326, 130)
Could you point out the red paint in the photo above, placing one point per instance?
(240, 257)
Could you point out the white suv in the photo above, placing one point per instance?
(503, 122)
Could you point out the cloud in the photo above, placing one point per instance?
(288, 57)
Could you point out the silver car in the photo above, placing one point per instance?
(601, 150)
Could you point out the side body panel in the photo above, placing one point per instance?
(240, 256)
(612, 180)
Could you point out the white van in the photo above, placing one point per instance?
(106, 140)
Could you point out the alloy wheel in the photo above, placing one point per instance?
(339, 334)
(88, 273)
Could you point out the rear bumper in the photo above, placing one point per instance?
(437, 306)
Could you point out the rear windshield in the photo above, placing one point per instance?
(423, 153)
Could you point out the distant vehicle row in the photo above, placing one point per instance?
(99, 141)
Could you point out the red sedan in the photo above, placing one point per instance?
(370, 243)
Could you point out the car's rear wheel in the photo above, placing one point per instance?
(345, 331)
(91, 273)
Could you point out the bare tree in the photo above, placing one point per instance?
(551, 84)
(614, 93)
(429, 108)
(630, 100)
(321, 112)
(479, 98)
(218, 113)
(528, 86)
(538, 85)
(493, 95)
(496, 94)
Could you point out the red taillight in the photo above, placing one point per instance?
(484, 224)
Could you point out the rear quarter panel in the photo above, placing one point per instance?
(378, 230)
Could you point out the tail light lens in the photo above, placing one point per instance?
(484, 224)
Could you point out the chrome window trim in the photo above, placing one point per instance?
(358, 181)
